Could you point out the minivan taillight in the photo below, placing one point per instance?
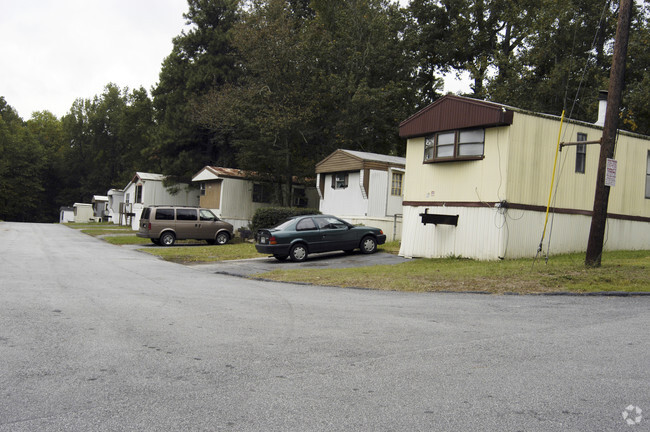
(149, 226)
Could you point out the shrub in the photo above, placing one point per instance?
(271, 216)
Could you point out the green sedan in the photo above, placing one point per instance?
(299, 236)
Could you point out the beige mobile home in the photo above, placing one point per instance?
(478, 178)
(234, 195)
(83, 212)
(363, 188)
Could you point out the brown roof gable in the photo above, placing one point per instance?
(455, 112)
(350, 160)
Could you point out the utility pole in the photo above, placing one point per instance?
(616, 81)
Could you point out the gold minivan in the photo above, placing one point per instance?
(166, 224)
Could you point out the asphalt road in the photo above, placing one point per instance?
(95, 337)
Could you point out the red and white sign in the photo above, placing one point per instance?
(610, 173)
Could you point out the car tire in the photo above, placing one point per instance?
(280, 257)
(222, 238)
(368, 245)
(167, 239)
(298, 253)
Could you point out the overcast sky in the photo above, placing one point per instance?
(55, 51)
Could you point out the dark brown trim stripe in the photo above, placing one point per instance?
(516, 206)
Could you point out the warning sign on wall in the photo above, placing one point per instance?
(610, 173)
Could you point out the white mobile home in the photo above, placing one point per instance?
(100, 207)
(147, 189)
(66, 214)
(115, 200)
(478, 177)
(364, 188)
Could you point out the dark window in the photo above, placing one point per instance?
(305, 224)
(138, 193)
(339, 180)
(581, 154)
(165, 214)
(329, 222)
(452, 145)
(202, 188)
(261, 193)
(186, 214)
(647, 177)
(145, 213)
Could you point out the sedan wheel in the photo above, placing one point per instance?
(368, 245)
(167, 239)
(222, 238)
(298, 253)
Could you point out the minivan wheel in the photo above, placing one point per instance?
(167, 239)
(368, 245)
(298, 253)
(222, 238)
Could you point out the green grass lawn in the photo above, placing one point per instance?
(620, 271)
(197, 253)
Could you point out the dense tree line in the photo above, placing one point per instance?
(273, 86)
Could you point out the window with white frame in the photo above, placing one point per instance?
(202, 188)
(138, 193)
(468, 144)
(396, 183)
(581, 153)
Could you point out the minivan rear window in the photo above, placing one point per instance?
(164, 214)
(145, 213)
(186, 214)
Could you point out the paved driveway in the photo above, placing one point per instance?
(254, 266)
(96, 337)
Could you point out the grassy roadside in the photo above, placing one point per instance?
(621, 271)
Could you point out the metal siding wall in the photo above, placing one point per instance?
(377, 194)
(532, 154)
(344, 202)
(488, 234)
(478, 234)
(480, 180)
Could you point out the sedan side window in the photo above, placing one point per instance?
(305, 224)
(330, 223)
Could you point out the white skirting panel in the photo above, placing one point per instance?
(490, 233)
(392, 227)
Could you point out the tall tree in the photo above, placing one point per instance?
(201, 60)
(22, 160)
(330, 75)
(47, 130)
(564, 61)
(107, 139)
